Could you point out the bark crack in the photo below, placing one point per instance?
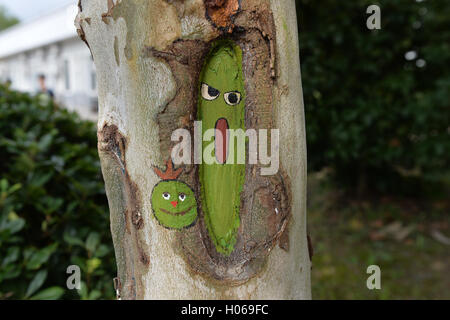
(109, 13)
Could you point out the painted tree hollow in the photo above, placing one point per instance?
(221, 107)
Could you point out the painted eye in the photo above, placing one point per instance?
(166, 195)
(209, 93)
(182, 197)
(232, 98)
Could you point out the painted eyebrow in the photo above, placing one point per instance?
(210, 86)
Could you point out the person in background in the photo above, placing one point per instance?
(45, 95)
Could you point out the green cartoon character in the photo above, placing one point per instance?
(222, 107)
(173, 202)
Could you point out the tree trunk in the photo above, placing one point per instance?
(163, 65)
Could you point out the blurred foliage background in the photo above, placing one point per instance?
(6, 20)
(377, 119)
(377, 101)
(53, 207)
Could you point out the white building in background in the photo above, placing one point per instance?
(50, 45)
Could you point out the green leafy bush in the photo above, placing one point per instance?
(53, 208)
(379, 119)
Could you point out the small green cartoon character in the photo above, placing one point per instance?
(173, 202)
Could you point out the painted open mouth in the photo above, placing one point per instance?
(182, 213)
(221, 140)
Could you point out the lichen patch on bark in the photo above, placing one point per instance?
(165, 26)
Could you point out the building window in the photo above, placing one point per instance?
(66, 74)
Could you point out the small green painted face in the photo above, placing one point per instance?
(174, 204)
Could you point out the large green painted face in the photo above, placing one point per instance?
(174, 204)
(222, 91)
(221, 107)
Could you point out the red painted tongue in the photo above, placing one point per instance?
(221, 140)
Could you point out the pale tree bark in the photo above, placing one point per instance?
(149, 56)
